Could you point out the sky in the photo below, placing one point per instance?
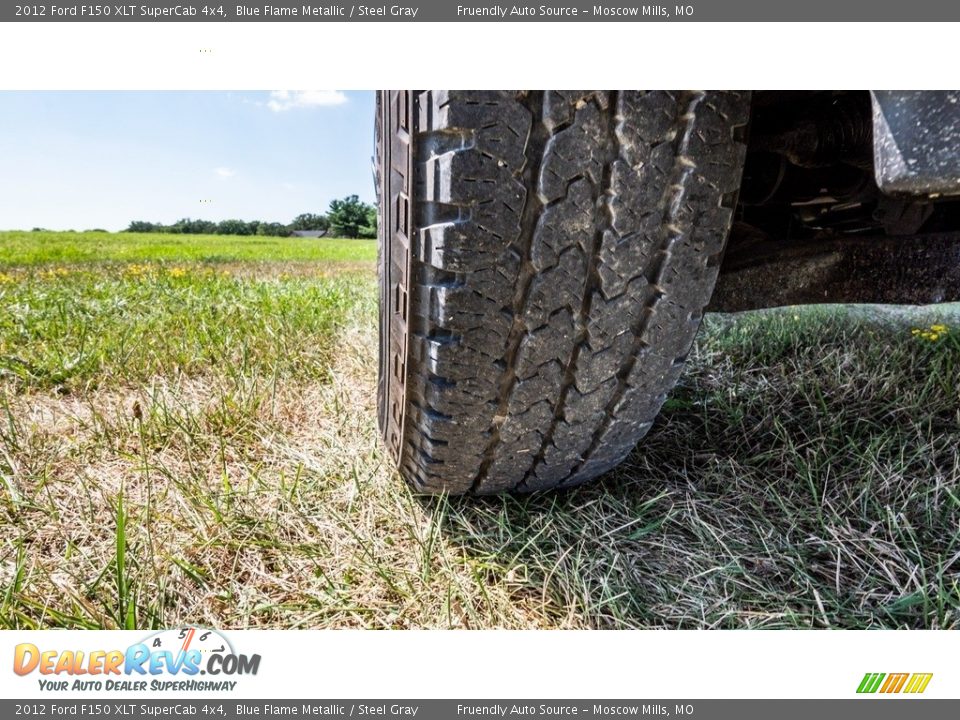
(85, 160)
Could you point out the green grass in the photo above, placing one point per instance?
(40, 248)
(195, 441)
(100, 326)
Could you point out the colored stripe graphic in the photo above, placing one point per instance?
(918, 682)
(894, 683)
(870, 682)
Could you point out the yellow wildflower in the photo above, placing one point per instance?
(136, 270)
(176, 272)
(931, 334)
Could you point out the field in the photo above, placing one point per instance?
(188, 435)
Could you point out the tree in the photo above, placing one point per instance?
(233, 227)
(142, 226)
(310, 221)
(272, 229)
(188, 226)
(348, 217)
(370, 230)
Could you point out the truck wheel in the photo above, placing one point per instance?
(545, 261)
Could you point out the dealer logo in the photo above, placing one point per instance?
(181, 655)
(909, 683)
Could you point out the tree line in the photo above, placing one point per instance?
(349, 218)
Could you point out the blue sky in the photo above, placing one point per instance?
(82, 160)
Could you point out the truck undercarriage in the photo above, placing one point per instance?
(847, 197)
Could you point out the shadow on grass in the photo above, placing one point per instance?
(804, 474)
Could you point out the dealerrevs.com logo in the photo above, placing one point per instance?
(171, 660)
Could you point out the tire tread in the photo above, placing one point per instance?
(565, 244)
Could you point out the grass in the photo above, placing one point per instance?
(77, 329)
(202, 447)
(44, 248)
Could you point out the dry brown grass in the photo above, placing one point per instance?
(805, 474)
(288, 518)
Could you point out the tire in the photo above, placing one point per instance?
(545, 261)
